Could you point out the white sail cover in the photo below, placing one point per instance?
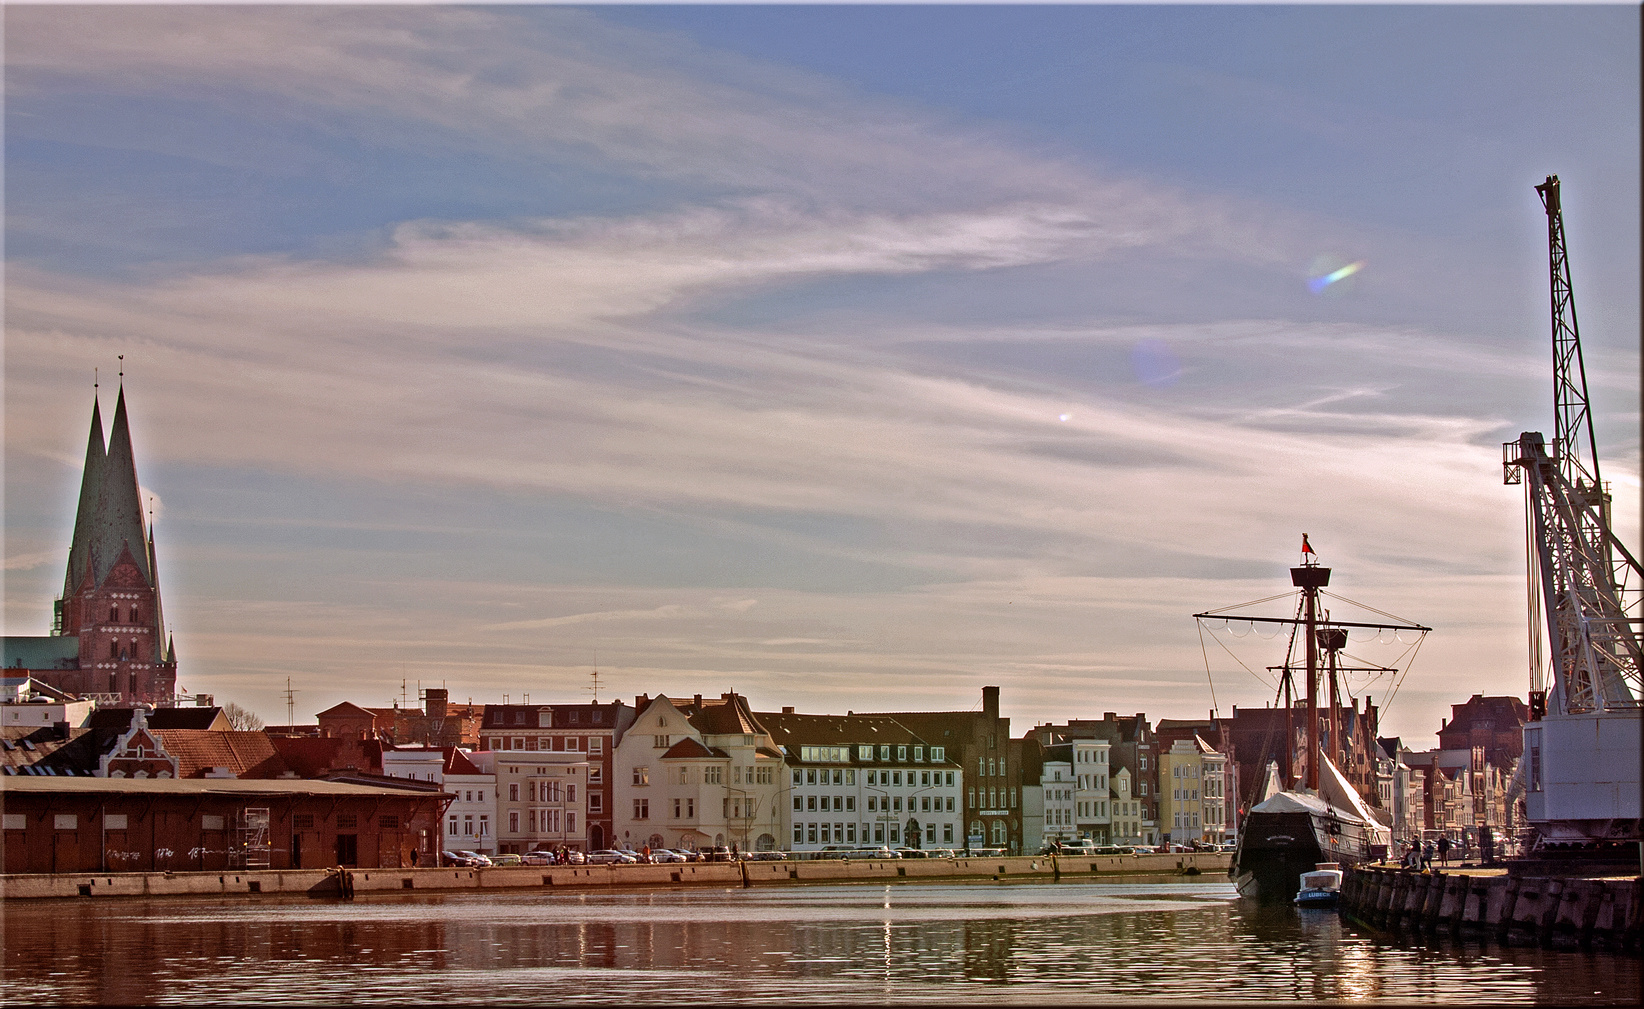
(1336, 795)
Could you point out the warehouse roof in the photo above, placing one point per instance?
(203, 786)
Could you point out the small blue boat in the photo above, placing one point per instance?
(1321, 887)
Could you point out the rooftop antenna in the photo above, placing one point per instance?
(290, 703)
(122, 369)
(94, 380)
(596, 676)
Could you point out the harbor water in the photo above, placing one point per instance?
(978, 942)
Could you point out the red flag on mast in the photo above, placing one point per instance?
(1306, 547)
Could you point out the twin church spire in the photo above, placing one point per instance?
(109, 520)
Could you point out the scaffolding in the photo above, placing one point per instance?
(252, 849)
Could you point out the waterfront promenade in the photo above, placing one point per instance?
(334, 882)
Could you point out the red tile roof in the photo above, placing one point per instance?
(246, 754)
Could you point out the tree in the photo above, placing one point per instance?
(241, 719)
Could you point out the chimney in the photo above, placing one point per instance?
(787, 710)
(698, 700)
(990, 702)
(434, 700)
(640, 700)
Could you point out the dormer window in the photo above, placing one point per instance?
(919, 753)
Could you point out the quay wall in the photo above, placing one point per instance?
(346, 883)
(1548, 911)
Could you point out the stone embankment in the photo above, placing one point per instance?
(1491, 903)
(333, 883)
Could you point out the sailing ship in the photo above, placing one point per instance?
(1320, 818)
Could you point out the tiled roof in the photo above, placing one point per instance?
(789, 729)
(312, 756)
(160, 718)
(729, 715)
(345, 709)
(79, 752)
(246, 754)
(690, 747)
(457, 762)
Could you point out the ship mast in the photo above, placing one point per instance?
(1310, 578)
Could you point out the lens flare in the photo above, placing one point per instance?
(1319, 283)
(1064, 418)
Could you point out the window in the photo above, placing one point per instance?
(896, 777)
(798, 776)
(765, 775)
(642, 809)
(938, 753)
(513, 821)
(595, 743)
(999, 832)
(798, 833)
(679, 806)
(713, 775)
(660, 742)
(924, 778)
(950, 803)
(451, 825)
(810, 776)
(484, 825)
(513, 792)
(302, 821)
(810, 802)
(683, 777)
(950, 779)
(873, 777)
(662, 720)
(596, 802)
(973, 797)
(924, 804)
(864, 753)
(571, 821)
(873, 803)
(947, 830)
(896, 804)
(838, 776)
(570, 792)
(690, 807)
(596, 774)
(642, 775)
(919, 753)
(599, 716)
(901, 753)
(850, 833)
(884, 753)
(798, 804)
(850, 803)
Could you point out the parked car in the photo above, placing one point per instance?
(574, 856)
(764, 856)
(457, 859)
(476, 859)
(687, 854)
(509, 859)
(636, 856)
(664, 855)
(720, 853)
(537, 858)
(610, 856)
(941, 853)
(911, 853)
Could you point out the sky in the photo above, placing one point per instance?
(852, 358)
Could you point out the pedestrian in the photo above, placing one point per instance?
(1427, 850)
(1444, 848)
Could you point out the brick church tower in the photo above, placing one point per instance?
(109, 634)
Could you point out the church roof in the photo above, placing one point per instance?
(41, 652)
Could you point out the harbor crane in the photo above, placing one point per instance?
(1580, 767)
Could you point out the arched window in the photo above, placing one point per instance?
(114, 614)
(114, 649)
(134, 613)
(998, 833)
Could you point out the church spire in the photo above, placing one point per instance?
(91, 481)
(119, 516)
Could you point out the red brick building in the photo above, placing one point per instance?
(108, 636)
(59, 825)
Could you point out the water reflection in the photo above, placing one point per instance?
(981, 942)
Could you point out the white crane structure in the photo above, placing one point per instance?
(1581, 763)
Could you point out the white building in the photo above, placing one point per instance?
(1054, 800)
(697, 774)
(865, 781)
(471, 817)
(1092, 800)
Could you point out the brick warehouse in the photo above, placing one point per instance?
(74, 824)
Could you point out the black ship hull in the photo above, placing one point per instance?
(1276, 848)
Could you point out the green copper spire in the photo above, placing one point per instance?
(91, 481)
(119, 517)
